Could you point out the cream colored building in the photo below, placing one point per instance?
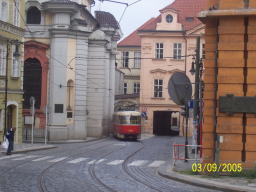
(168, 40)
(129, 62)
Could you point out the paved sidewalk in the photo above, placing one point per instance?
(26, 147)
(223, 183)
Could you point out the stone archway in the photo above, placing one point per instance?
(38, 51)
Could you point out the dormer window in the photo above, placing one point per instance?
(189, 19)
(33, 16)
(169, 18)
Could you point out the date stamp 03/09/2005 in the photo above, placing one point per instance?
(214, 167)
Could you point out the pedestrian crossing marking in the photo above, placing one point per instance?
(11, 156)
(137, 163)
(100, 161)
(156, 163)
(43, 158)
(91, 162)
(57, 160)
(78, 160)
(24, 158)
(16, 157)
(115, 162)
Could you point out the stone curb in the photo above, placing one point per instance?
(33, 149)
(200, 182)
(52, 146)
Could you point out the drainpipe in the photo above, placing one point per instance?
(6, 88)
(216, 147)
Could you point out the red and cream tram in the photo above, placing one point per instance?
(127, 124)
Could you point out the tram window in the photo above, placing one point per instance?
(124, 119)
(135, 120)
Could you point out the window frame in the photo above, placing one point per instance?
(125, 59)
(158, 88)
(125, 88)
(177, 51)
(16, 16)
(136, 88)
(137, 59)
(4, 13)
(159, 51)
(3, 59)
(15, 64)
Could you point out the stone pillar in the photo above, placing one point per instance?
(80, 112)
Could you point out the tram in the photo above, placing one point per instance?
(127, 124)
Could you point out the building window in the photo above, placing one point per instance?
(15, 64)
(4, 14)
(16, 17)
(159, 50)
(70, 99)
(137, 59)
(136, 88)
(58, 108)
(203, 51)
(158, 88)
(125, 59)
(2, 60)
(169, 18)
(177, 47)
(33, 16)
(125, 88)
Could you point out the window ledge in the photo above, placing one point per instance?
(15, 78)
(178, 60)
(2, 76)
(158, 98)
(158, 59)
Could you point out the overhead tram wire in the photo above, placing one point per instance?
(68, 67)
(48, 54)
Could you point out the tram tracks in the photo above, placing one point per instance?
(41, 181)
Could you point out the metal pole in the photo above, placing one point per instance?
(196, 98)
(46, 126)
(33, 113)
(6, 88)
(186, 137)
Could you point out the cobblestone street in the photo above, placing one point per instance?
(103, 165)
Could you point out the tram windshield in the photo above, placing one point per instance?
(133, 120)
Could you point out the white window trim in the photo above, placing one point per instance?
(177, 51)
(15, 64)
(124, 57)
(3, 60)
(137, 59)
(156, 88)
(159, 51)
(4, 15)
(125, 88)
(136, 88)
(16, 16)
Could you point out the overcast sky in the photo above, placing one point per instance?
(135, 15)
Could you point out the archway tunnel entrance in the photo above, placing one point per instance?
(166, 123)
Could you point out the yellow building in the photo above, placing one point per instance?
(11, 59)
(166, 42)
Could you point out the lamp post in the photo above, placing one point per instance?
(16, 56)
(197, 69)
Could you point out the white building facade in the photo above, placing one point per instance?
(75, 53)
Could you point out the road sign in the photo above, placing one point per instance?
(180, 88)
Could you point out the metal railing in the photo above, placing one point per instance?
(38, 133)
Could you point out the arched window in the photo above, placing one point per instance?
(4, 14)
(32, 82)
(70, 98)
(33, 16)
